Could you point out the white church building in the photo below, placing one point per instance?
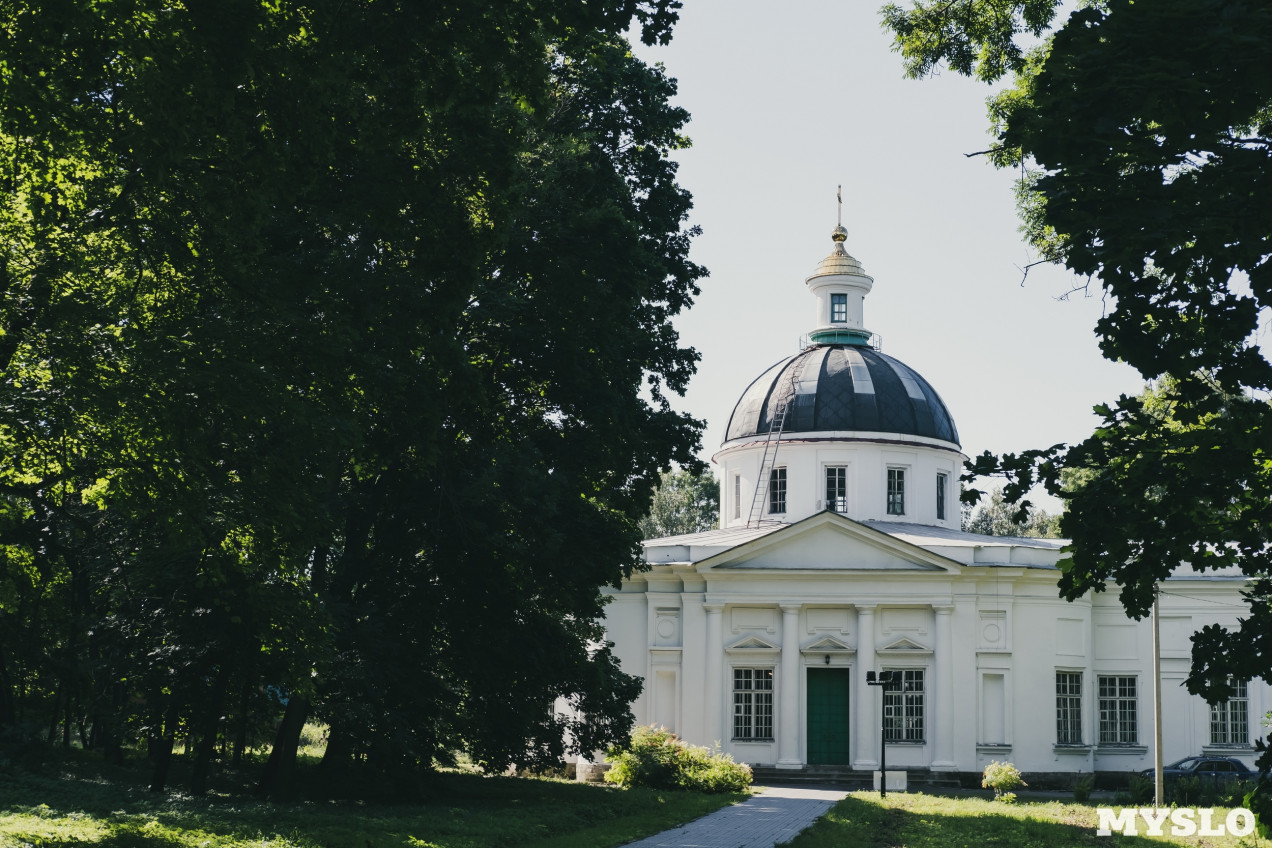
(840, 554)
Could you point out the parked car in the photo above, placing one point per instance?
(1213, 768)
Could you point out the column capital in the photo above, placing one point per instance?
(713, 606)
(943, 609)
(866, 609)
(790, 607)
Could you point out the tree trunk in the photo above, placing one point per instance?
(278, 783)
(8, 715)
(240, 735)
(163, 751)
(206, 746)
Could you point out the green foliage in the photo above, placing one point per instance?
(1082, 787)
(656, 758)
(1002, 778)
(1163, 199)
(1141, 789)
(684, 502)
(997, 518)
(335, 346)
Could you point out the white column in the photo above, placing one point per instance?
(713, 684)
(942, 706)
(867, 741)
(788, 728)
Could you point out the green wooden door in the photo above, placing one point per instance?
(828, 716)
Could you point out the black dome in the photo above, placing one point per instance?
(844, 387)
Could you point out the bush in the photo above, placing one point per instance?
(1082, 788)
(658, 759)
(1141, 788)
(1002, 777)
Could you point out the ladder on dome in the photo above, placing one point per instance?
(777, 424)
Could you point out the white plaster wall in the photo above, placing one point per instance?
(867, 464)
(1033, 634)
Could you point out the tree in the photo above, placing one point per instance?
(997, 518)
(1144, 135)
(684, 502)
(325, 332)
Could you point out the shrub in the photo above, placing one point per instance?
(658, 759)
(1141, 788)
(1082, 788)
(1002, 777)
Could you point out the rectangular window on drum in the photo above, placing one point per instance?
(839, 309)
(896, 491)
(837, 488)
(941, 481)
(777, 490)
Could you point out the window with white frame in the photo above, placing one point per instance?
(903, 707)
(838, 308)
(896, 491)
(1068, 708)
(1230, 721)
(837, 488)
(777, 490)
(942, 481)
(737, 495)
(1118, 710)
(753, 704)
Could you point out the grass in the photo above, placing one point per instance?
(863, 820)
(76, 807)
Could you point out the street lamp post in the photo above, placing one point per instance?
(886, 679)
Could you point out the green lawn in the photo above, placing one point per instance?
(915, 820)
(465, 811)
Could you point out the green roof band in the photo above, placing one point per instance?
(840, 336)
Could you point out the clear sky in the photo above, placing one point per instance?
(787, 102)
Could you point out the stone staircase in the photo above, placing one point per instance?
(916, 779)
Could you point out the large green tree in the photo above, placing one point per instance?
(1143, 133)
(325, 329)
(684, 502)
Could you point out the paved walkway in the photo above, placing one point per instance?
(770, 818)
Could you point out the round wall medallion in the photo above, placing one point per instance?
(666, 628)
(992, 633)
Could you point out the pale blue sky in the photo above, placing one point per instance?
(788, 101)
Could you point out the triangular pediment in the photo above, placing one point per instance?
(828, 645)
(752, 643)
(828, 542)
(904, 645)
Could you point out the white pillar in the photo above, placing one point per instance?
(713, 684)
(788, 727)
(943, 691)
(867, 741)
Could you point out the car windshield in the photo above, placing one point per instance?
(1188, 764)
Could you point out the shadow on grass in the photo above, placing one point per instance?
(463, 811)
(925, 821)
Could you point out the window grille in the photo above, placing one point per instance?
(777, 490)
(1118, 718)
(903, 708)
(896, 491)
(753, 704)
(1230, 721)
(1068, 708)
(737, 495)
(838, 308)
(837, 488)
(941, 480)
